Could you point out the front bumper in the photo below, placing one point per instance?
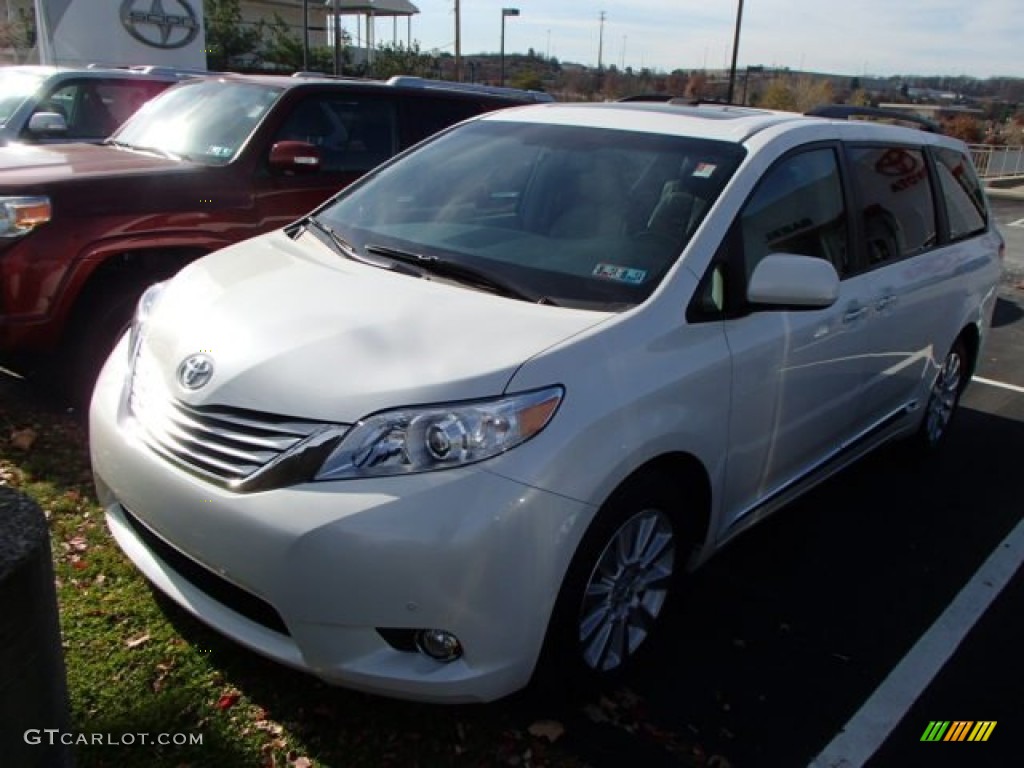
(462, 550)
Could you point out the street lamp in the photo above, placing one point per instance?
(505, 12)
(735, 52)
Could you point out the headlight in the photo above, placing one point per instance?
(423, 439)
(143, 310)
(20, 215)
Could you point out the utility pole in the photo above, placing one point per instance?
(600, 42)
(458, 45)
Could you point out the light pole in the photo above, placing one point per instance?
(458, 44)
(505, 13)
(305, 35)
(336, 22)
(735, 52)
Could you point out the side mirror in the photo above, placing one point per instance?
(42, 123)
(295, 157)
(787, 280)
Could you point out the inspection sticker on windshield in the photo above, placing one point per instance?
(704, 170)
(620, 274)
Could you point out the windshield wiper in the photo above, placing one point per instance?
(460, 272)
(327, 234)
(151, 150)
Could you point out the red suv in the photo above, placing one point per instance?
(84, 228)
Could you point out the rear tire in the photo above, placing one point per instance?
(944, 398)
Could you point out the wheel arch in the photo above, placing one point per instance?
(689, 478)
(970, 334)
(123, 267)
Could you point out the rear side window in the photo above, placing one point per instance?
(962, 194)
(354, 132)
(897, 209)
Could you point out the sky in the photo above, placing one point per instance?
(979, 38)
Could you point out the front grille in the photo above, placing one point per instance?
(223, 443)
(206, 581)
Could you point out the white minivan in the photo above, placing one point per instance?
(476, 417)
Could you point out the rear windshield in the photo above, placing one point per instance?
(585, 217)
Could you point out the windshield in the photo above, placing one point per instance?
(583, 217)
(206, 121)
(15, 87)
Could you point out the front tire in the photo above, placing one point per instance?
(100, 320)
(619, 586)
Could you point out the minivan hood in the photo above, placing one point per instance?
(294, 329)
(24, 164)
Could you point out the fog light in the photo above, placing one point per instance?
(438, 644)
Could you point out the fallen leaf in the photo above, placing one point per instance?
(551, 730)
(274, 729)
(228, 700)
(79, 544)
(136, 642)
(302, 762)
(23, 438)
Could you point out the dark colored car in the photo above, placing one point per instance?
(49, 105)
(85, 228)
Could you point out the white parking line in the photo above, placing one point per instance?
(868, 729)
(1000, 384)
(1017, 223)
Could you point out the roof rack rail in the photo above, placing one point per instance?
(153, 69)
(847, 111)
(410, 81)
(325, 75)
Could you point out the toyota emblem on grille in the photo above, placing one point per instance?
(195, 371)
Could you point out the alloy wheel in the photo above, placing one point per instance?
(944, 396)
(627, 589)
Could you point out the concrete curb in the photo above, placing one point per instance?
(1005, 193)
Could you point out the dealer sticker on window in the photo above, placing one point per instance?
(620, 274)
(704, 170)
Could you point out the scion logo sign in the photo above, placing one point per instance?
(160, 23)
